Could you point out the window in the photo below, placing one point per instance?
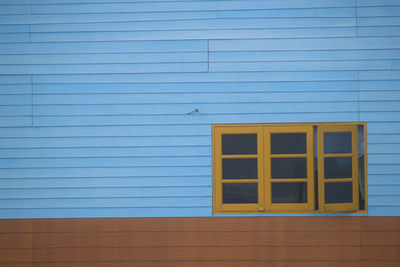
(267, 168)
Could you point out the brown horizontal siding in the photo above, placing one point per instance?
(195, 239)
(246, 241)
(250, 224)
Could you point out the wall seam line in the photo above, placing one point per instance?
(208, 55)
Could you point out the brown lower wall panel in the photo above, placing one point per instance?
(380, 224)
(16, 226)
(223, 241)
(28, 264)
(16, 240)
(381, 238)
(252, 224)
(196, 253)
(381, 253)
(195, 239)
(212, 263)
(10, 255)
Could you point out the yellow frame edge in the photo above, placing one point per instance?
(363, 123)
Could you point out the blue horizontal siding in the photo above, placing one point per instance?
(186, 87)
(200, 77)
(392, 158)
(182, 109)
(15, 9)
(120, 58)
(105, 172)
(165, 202)
(164, 120)
(379, 75)
(379, 106)
(96, 192)
(208, 24)
(378, 31)
(106, 162)
(384, 169)
(107, 212)
(380, 116)
(13, 89)
(106, 182)
(385, 200)
(383, 138)
(120, 131)
(105, 68)
(15, 121)
(307, 44)
(175, 98)
(92, 153)
(384, 180)
(379, 95)
(187, 6)
(378, 11)
(379, 85)
(106, 17)
(192, 34)
(384, 127)
(14, 79)
(387, 147)
(306, 55)
(300, 65)
(16, 110)
(127, 139)
(377, 2)
(105, 47)
(384, 190)
(14, 37)
(20, 99)
(14, 29)
(378, 21)
(95, 95)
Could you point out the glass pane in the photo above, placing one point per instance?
(239, 144)
(239, 169)
(239, 193)
(337, 143)
(289, 168)
(339, 192)
(340, 167)
(289, 143)
(289, 192)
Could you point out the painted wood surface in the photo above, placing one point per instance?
(95, 95)
(272, 241)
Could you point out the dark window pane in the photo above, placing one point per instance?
(289, 167)
(337, 142)
(239, 169)
(239, 144)
(339, 192)
(239, 193)
(289, 192)
(340, 167)
(289, 143)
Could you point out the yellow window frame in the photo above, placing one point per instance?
(339, 207)
(264, 179)
(218, 181)
(308, 130)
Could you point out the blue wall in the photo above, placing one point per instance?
(94, 97)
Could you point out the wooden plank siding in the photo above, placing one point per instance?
(255, 241)
(94, 97)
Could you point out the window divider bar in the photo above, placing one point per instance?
(288, 155)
